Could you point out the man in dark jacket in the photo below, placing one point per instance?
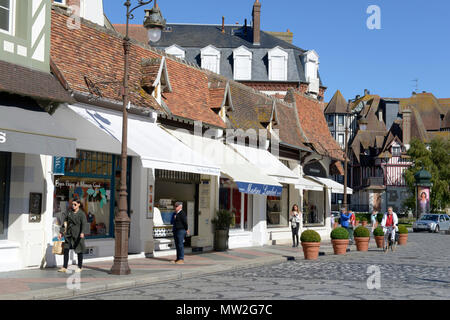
(180, 230)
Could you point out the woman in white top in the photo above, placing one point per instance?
(295, 218)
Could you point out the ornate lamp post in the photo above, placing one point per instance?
(346, 158)
(154, 23)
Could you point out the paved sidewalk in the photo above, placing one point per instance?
(49, 284)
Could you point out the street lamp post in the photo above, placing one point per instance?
(346, 159)
(154, 23)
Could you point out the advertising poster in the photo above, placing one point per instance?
(423, 201)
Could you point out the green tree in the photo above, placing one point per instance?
(434, 158)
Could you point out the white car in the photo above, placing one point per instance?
(432, 223)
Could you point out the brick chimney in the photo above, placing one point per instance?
(406, 128)
(257, 23)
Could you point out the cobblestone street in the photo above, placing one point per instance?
(419, 270)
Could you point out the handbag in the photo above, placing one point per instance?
(58, 247)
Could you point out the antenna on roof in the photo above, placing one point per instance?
(417, 84)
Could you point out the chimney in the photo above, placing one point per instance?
(406, 128)
(257, 23)
(223, 24)
(366, 92)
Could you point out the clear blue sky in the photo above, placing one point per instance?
(413, 42)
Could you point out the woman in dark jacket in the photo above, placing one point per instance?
(74, 224)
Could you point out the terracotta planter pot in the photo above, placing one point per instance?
(340, 246)
(402, 239)
(311, 250)
(362, 244)
(379, 241)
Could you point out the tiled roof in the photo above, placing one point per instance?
(428, 108)
(314, 126)
(32, 83)
(94, 55)
(337, 104)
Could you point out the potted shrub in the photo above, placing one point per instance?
(339, 239)
(379, 237)
(357, 222)
(311, 243)
(364, 221)
(362, 238)
(222, 223)
(402, 235)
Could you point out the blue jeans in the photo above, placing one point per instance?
(179, 236)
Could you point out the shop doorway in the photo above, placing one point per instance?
(5, 169)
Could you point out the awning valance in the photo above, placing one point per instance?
(267, 163)
(34, 131)
(249, 178)
(156, 148)
(308, 184)
(335, 187)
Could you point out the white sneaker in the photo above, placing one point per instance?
(63, 270)
(78, 270)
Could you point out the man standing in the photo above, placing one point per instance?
(180, 230)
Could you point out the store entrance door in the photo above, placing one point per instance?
(5, 164)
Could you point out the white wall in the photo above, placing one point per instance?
(92, 10)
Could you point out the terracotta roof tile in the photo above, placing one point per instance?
(97, 53)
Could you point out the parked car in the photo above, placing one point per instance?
(432, 223)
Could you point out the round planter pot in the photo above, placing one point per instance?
(362, 244)
(340, 246)
(379, 241)
(402, 239)
(221, 240)
(311, 250)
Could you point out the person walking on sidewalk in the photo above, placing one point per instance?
(345, 220)
(295, 224)
(74, 224)
(373, 219)
(180, 230)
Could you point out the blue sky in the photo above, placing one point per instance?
(413, 42)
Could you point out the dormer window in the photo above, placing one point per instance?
(396, 151)
(278, 59)
(242, 63)
(176, 51)
(210, 57)
(7, 16)
(311, 61)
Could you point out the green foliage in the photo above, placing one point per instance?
(223, 220)
(435, 160)
(310, 236)
(339, 233)
(364, 219)
(361, 232)
(378, 232)
(379, 217)
(402, 229)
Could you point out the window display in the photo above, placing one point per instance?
(278, 209)
(93, 177)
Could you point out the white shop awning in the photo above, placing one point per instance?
(335, 187)
(156, 148)
(267, 163)
(307, 184)
(249, 178)
(34, 131)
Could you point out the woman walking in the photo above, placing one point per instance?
(373, 219)
(295, 224)
(74, 224)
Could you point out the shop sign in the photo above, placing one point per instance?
(315, 170)
(59, 165)
(2, 137)
(260, 189)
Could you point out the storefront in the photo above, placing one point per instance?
(172, 187)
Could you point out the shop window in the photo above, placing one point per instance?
(231, 199)
(94, 178)
(278, 209)
(313, 208)
(5, 163)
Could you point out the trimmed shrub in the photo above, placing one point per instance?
(402, 229)
(339, 234)
(380, 217)
(361, 232)
(310, 236)
(364, 219)
(378, 232)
